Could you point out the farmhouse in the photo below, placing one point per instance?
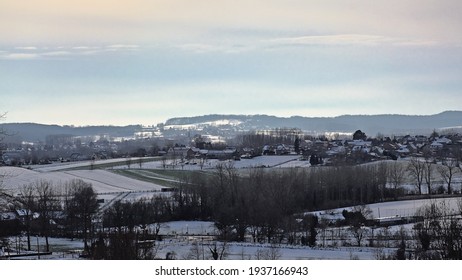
(228, 153)
(192, 153)
(181, 152)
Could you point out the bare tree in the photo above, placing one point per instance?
(219, 251)
(46, 206)
(357, 218)
(359, 232)
(163, 160)
(447, 170)
(129, 162)
(365, 210)
(196, 252)
(28, 201)
(202, 161)
(428, 174)
(396, 175)
(416, 169)
(381, 173)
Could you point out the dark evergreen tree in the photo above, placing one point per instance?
(297, 145)
(313, 232)
(359, 135)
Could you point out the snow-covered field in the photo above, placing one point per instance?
(186, 236)
(249, 251)
(188, 233)
(57, 166)
(261, 161)
(102, 181)
(403, 208)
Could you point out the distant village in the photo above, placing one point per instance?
(358, 148)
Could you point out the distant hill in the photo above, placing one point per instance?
(38, 132)
(231, 124)
(370, 124)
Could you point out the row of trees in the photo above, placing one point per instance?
(51, 210)
(262, 203)
(424, 170)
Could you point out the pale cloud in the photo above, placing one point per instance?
(27, 48)
(62, 51)
(349, 39)
(56, 53)
(222, 48)
(87, 50)
(84, 48)
(354, 40)
(123, 47)
(19, 56)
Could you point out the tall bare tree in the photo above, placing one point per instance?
(449, 168)
(396, 175)
(381, 173)
(416, 169)
(428, 174)
(28, 201)
(46, 206)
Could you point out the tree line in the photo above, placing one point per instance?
(50, 210)
(265, 203)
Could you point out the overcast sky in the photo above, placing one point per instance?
(143, 61)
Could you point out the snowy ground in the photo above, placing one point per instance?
(403, 208)
(250, 251)
(103, 181)
(56, 166)
(194, 164)
(62, 248)
(187, 236)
